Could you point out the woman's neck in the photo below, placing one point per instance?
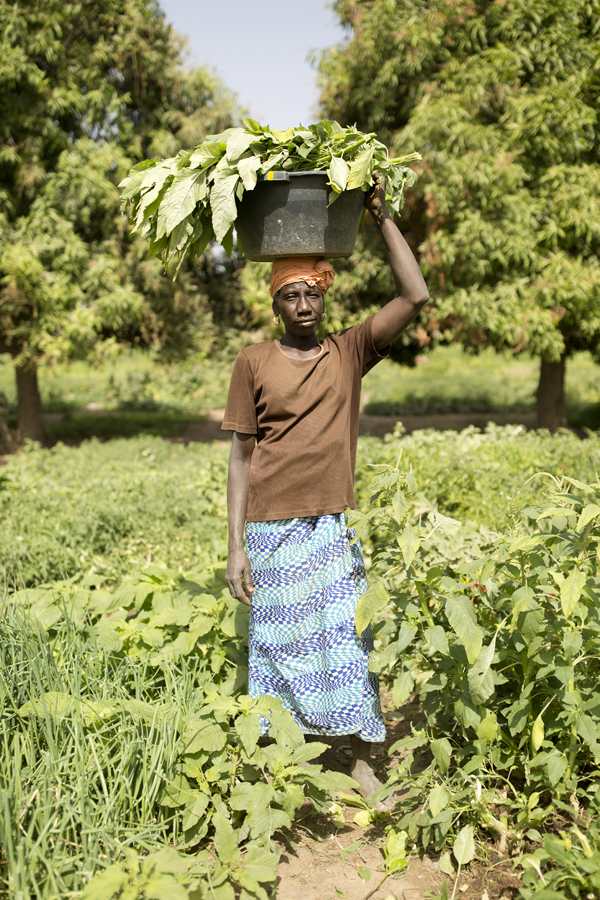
(300, 346)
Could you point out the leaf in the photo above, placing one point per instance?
(445, 523)
(360, 171)
(407, 633)
(106, 884)
(248, 728)
(570, 591)
(338, 172)
(409, 542)
(238, 141)
(442, 751)
(403, 686)
(464, 845)
(556, 767)
(267, 820)
(248, 168)
(488, 727)
(438, 799)
(208, 736)
(225, 840)
(445, 864)
(285, 729)
(53, 703)
(222, 202)
(589, 512)
(195, 811)
(400, 507)
(208, 154)
(461, 616)
(372, 601)
(480, 678)
(437, 640)
(517, 715)
(586, 728)
(395, 851)
(363, 818)
(520, 599)
(180, 200)
(537, 734)
(364, 873)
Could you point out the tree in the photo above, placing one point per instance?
(501, 99)
(87, 90)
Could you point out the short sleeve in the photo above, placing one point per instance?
(240, 411)
(361, 336)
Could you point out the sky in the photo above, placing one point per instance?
(260, 50)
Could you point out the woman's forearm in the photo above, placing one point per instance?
(409, 280)
(412, 293)
(239, 574)
(238, 484)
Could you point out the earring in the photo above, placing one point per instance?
(275, 320)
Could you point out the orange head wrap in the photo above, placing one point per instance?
(311, 269)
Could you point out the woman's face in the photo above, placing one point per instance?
(300, 306)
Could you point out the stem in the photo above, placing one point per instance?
(376, 888)
(456, 882)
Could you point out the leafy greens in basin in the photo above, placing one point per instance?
(183, 203)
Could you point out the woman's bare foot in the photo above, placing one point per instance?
(362, 772)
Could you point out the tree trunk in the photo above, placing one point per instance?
(6, 436)
(30, 422)
(551, 413)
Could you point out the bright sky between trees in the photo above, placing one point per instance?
(260, 49)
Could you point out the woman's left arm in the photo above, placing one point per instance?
(396, 315)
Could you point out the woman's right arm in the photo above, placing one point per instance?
(238, 571)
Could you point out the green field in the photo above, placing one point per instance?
(129, 747)
(450, 382)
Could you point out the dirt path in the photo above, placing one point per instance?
(314, 865)
(209, 429)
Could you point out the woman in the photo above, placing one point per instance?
(293, 407)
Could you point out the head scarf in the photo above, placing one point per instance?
(311, 269)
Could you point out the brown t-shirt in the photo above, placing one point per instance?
(304, 413)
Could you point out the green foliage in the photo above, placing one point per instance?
(181, 204)
(478, 478)
(89, 90)
(564, 866)
(501, 100)
(137, 380)
(499, 637)
(109, 507)
(118, 424)
(123, 724)
(124, 727)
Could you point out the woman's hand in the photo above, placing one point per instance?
(239, 573)
(375, 200)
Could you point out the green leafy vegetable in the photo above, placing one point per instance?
(181, 204)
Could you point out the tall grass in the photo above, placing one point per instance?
(80, 779)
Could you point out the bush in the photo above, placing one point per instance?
(499, 637)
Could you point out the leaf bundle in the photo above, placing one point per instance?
(183, 203)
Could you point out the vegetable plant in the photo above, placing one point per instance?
(124, 731)
(499, 637)
(183, 203)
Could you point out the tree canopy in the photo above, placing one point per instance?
(501, 100)
(87, 90)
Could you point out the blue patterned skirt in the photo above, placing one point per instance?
(308, 575)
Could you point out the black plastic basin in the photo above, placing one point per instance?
(289, 216)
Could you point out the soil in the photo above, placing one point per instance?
(313, 865)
